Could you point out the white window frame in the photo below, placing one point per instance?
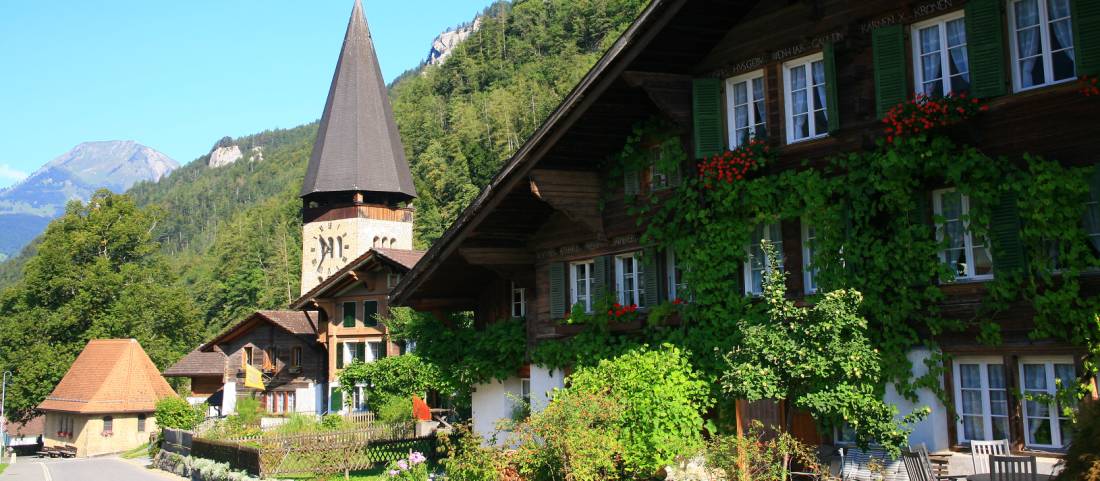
(359, 398)
(983, 364)
(519, 307)
(1044, 47)
(809, 272)
(392, 279)
(807, 63)
(731, 105)
(657, 180)
(525, 390)
(945, 54)
(574, 298)
(675, 289)
(1054, 413)
(747, 267)
(968, 236)
(637, 295)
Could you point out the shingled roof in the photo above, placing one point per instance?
(198, 363)
(358, 147)
(109, 376)
(403, 259)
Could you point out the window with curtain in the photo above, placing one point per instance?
(809, 272)
(630, 279)
(374, 351)
(519, 301)
(1045, 424)
(676, 285)
(348, 312)
(804, 79)
(981, 399)
(940, 56)
(1042, 42)
(580, 284)
(967, 256)
(745, 107)
(756, 263)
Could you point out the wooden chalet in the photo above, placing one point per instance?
(812, 79)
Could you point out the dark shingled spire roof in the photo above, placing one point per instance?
(358, 147)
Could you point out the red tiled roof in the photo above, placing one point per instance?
(198, 363)
(109, 376)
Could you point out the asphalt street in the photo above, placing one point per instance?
(93, 469)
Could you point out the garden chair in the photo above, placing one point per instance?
(919, 466)
(980, 451)
(856, 465)
(1013, 468)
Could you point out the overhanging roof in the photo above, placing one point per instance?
(400, 260)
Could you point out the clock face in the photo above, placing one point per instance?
(330, 249)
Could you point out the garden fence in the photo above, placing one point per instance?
(177, 441)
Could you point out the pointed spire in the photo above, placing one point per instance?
(358, 147)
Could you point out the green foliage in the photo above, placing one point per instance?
(760, 455)
(468, 460)
(391, 409)
(819, 359)
(1082, 461)
(401, 376)
(662, 399)
(466, 354)
(96, 274)
(576, 438)
(332, 422)
(412, 468)
(175, 412)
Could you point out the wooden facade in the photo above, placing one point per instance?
(547, 208)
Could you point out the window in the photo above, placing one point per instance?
(756, 264)
(519, 301)
(248, 355)
(108, 425)
(270, 357)
(630, 285)
(279, 402)
(354, 351)
(1042, 42)
(348, 309)
(392, 280)
(1092, 220)
(805, 98)
(745, 107)
(359, 398)
(141, 423)
(1045, 425)
(370, 308)
(809, 272)
(525, 390)
(376, 352)
(967, 257)
(845, 434)
(580, 284)
(658, 179)
(981, 400)
(296, 358)
(676, 285)
(939, 52)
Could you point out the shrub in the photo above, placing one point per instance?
(401, 376)
(468, 460)
(576, 438)
(298, 423)
(760, 456)
(393, 409)
(1082, 461)
(332, 422)
(176, 413)
(412, 468)
(662, 400)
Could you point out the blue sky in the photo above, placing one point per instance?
(179, 75)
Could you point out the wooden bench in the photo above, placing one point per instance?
(58, 452)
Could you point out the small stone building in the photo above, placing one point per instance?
(105, 403)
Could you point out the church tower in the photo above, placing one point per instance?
(358, 186)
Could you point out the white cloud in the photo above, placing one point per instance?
(9, 174)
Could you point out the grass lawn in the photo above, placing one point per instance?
(374, 474)
(3, 467)
(137, 452)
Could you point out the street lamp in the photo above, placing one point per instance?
(3, 414)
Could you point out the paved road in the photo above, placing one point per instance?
(94, 469)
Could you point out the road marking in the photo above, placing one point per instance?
(46, 471)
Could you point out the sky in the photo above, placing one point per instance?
(179, 75)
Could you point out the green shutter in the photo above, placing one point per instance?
(631, 183)
(349, 314)
(832, 101)
(1086, 36)
(651, 276)
(336, 400)
(1008, 249)
(557, 290)
(602, 271)
(707, 117)
(370, 308)
(985, 47)
(891, 86)
(339, 355)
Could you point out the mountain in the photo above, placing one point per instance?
(446, 42)
(28, 206)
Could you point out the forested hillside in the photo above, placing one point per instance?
(230, 237)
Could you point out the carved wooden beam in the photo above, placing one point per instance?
(671, 93)
(574, 193)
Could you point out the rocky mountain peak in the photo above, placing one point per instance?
(445, 43)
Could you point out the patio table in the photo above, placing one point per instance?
(989, 477)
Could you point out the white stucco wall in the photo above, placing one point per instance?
(491, 402)
(543, 383)
(932, 431)
(229, 398)
(305, 399)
